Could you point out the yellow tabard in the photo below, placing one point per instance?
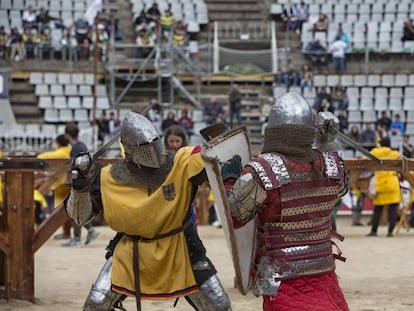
(164, 265)
(59, 153)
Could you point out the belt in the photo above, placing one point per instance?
(136, 239)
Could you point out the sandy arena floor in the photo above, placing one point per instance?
(378, 274)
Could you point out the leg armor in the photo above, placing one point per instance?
(211, 296)
(101, 297)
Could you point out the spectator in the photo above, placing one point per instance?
(306, 81)
(291, 77)
(69, 45)
(103, 126)
(368, 136)
(140, 22)
(180, 33)
(385, 120)
(316, 53)
(387, 189)
(84, 50)
(153, 15)
(186, 123)
(343, 36)
(175, 138)
(306, 69)
(408, 31)
(303, 14)
(29, 18)
(278, 78)
(44, 42)
(16, 45)
(212, 109)
(320, 95)
(4, 38)
(167, 22)
(326, 106)
(112, 25)
(321, 24)
(382, 132)
(355, 134)
(102, 36)
(170, 120)
(235, 98)
(154, 113)
(338, 48)
(83, 38)
(407, 148)
(343, 121)
(339, 98)
(43, 20)
(29, 42)
(397, 126)
(114, 123)
(291, 17)
(145, 43)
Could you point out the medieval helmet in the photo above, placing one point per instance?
(290, 108)
(290, 128)
(142, 143)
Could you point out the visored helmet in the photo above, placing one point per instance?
(142, 143)
(290, 108)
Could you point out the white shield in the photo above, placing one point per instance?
(241, 241)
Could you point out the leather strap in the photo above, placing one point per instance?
(136, 239)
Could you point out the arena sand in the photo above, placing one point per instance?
(378, 274)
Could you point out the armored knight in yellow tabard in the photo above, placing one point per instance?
(146, 197)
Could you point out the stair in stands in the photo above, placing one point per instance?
(24, 102)
(237, 10)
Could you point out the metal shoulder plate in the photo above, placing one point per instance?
(271, 170)
(331, 164)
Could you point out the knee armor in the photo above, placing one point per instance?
(211, 296)
(101, 297)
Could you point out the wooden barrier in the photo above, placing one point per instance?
(19, 240)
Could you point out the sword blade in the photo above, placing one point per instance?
(341, 136)
(106, 146)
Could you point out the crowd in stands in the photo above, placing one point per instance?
(41, 32)
(153, 26)
(69, 33)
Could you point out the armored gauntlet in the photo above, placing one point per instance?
(83, 172)
(81, 175)
(326, 128)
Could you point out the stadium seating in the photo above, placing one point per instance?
(383, 19)
(67, 97)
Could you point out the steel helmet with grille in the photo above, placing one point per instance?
(142, 143)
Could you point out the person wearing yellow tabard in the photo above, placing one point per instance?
(59, 190)
(169, 256)
(146, 198)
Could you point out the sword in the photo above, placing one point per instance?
(352, 143)
(106, 146)
(101, 151)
